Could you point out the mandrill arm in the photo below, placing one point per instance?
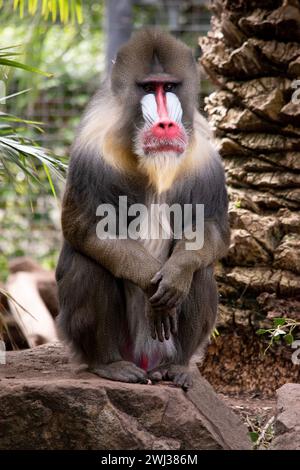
(176, 275)
(126, 259)
(174, 279)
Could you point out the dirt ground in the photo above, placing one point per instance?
(257, 414)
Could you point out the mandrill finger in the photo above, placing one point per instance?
(166, 322)
(162, 302)
(158, 294)
(159, 330)
(172, 302)
(176, 300)
(173, 322)
(156, 278)
(152, 328)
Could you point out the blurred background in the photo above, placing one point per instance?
(75, 44)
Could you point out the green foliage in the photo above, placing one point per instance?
(29, 221)
(18, 65)
(261, 432)
(65, 10)
(17, 150)
(283, 328)
(253, 436)
(26, 172)
(75, 53)
(29, 214)
(215, 334)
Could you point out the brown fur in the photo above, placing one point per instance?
(109, 306)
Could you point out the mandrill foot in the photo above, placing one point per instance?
(179, 375)
(121, 371)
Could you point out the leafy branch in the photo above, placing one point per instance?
(282, 328)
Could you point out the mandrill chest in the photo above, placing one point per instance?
(155, 233)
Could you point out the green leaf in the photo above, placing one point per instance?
(49, 179)
(289, 338)
(253, 436)
(9, 47)
(78, 8)
(7, 97)
(279, 321)
(19, 65)
(54, 11)
(261, 331)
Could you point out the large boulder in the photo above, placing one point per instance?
(45, 403)
(287, 423)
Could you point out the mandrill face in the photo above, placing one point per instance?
(155, 79)
(162, 131)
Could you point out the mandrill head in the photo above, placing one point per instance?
(155, 81)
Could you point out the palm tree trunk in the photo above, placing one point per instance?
(252, 54)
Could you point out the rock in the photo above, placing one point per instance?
(287, 423)
(45, 280)
(24, 264)
(3, 299)
(46, 404)
(28, 308)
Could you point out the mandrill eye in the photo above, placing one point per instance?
(169, 87)
(148, 88)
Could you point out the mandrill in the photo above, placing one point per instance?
(136, 308)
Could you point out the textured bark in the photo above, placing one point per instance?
(252, 54)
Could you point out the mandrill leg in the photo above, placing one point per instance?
(92, 316)
(196, 320)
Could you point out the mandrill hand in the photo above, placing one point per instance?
(174, 285)
(162, 322)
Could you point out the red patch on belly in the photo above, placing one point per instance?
(144, 362)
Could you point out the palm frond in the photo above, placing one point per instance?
(66, 10)
(18, 152)
(19, 65)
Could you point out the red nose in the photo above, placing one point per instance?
(166, 128)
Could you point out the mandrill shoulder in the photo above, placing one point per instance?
(202, 162)
(202, 179)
